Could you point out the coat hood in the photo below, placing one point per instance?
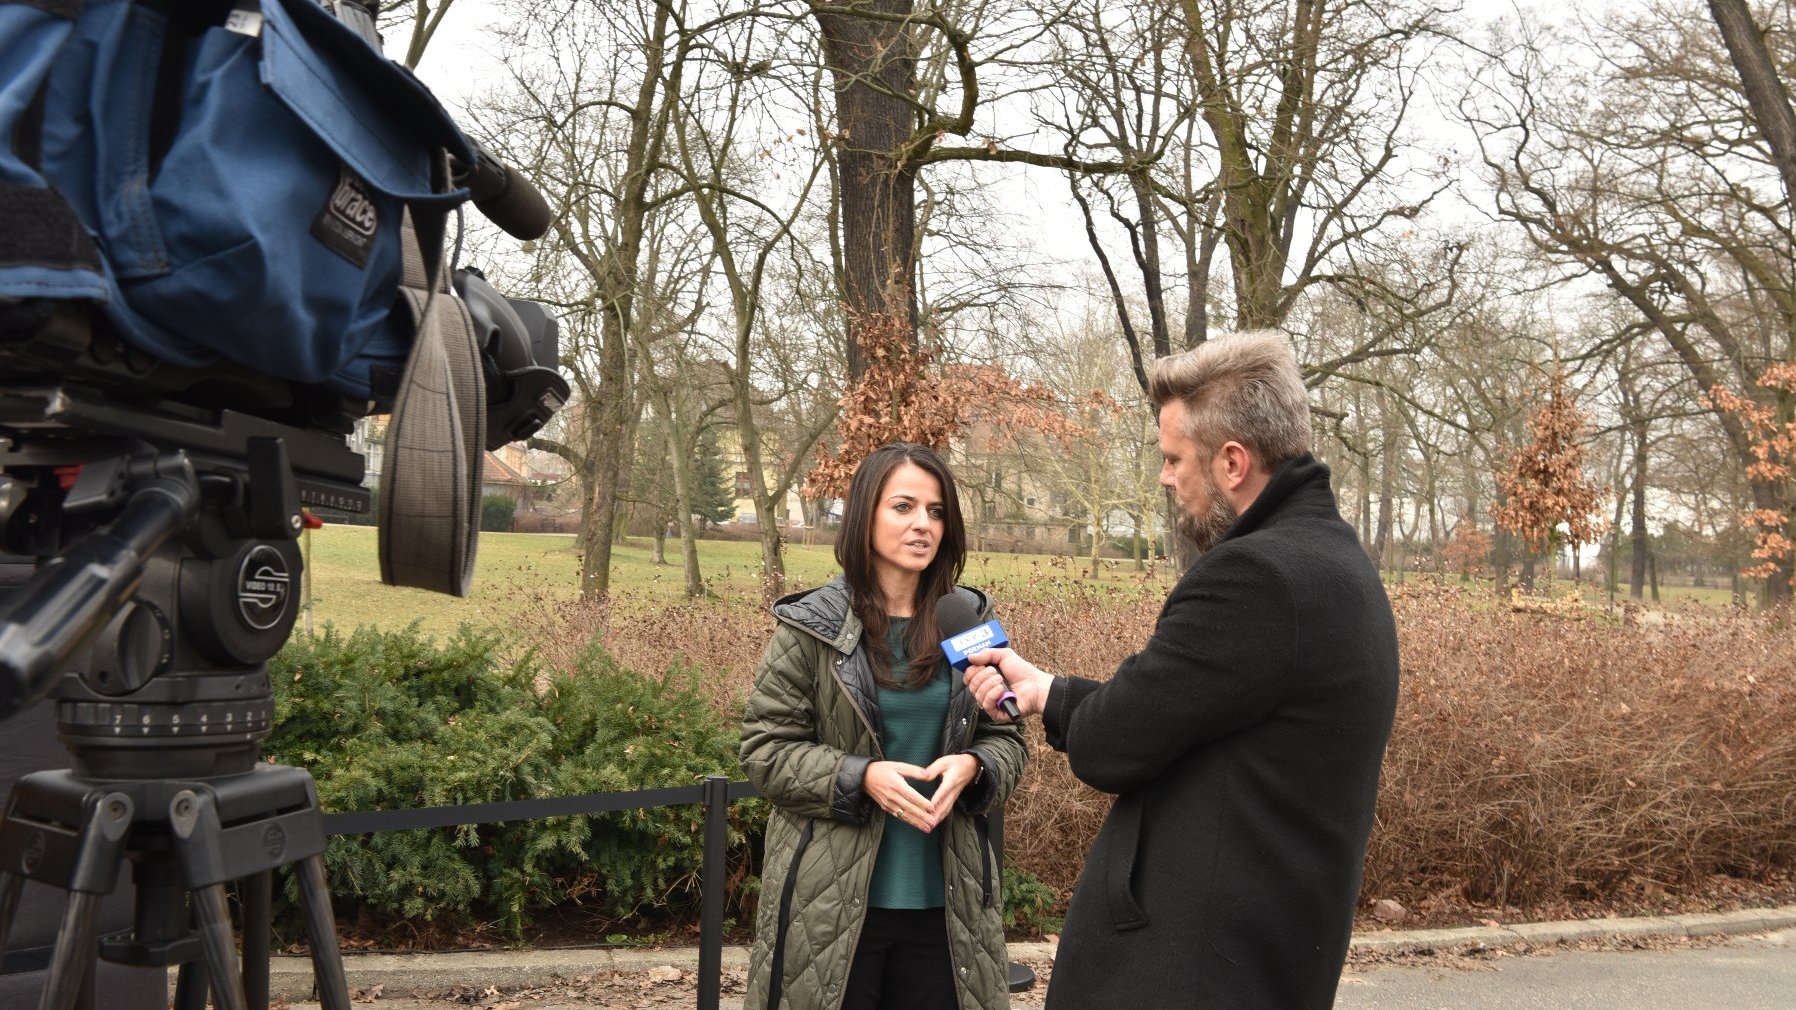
(825, 613)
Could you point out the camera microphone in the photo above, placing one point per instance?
(963, 633)
(504, 195)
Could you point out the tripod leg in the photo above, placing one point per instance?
(321, 930)
(74, 953)
(11, 884)
(214, 927)
(190, 986)
(106, 821)
(257, 894)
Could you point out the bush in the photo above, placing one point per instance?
(1546, 757)
(390, 720)
(1028, 902)
(1125, 547)
(1537, 759)
(497, 512)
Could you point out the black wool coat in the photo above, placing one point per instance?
(1243, 744)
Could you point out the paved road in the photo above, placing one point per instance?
(1746, 973)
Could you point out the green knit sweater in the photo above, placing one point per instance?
(908, 871)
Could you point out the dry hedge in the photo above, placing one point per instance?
(1540, 757)
(1536, 757)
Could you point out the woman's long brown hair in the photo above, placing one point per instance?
(854, 552)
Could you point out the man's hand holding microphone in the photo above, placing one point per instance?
(993, 673)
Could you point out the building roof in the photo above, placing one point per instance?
(496, 472)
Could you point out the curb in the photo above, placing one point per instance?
(290, 977)
(1751, 920)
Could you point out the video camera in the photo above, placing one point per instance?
(154, 481)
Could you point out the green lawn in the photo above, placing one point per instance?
(514, 570)
(1669, 596)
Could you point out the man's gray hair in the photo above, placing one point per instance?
(1242, 387)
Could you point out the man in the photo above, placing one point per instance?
(1243, 743)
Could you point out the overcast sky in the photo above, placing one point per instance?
(461, 62)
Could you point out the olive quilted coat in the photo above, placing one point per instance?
(812, 727)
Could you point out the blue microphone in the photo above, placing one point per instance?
(962, 633)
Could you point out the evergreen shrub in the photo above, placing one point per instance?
(498, 513)
(1029, 904)
(387, 720)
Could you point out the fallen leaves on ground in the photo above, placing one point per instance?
(654, 988)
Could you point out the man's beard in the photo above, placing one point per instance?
(1207, 531)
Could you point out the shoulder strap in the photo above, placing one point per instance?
(430, 484)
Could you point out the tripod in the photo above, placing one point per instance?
(153, 627)
(76, 833)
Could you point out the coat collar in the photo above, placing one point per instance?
(1297, 483)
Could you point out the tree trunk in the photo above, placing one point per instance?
(681, 460)
(1184, 550)
(773, 565)
(1136, 541)
(874, 69)
(1759, 79)
(1434, 520)
(626, 477)
(1502, 547)
(1768, 496)
(615, 272)
(1387, 484)
(1096, 542)
(1257, 187)
(607, 454)
(1200, 249)
(1637, 530)
(1152, 284)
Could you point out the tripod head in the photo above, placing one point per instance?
(164, 538)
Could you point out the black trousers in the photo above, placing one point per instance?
(902, 962)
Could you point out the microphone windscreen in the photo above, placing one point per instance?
(954, 614)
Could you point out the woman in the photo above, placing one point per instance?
(879, 886)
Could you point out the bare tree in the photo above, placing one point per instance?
(587, 115)
(715, 123)
(1277, 129)
(1764, 89)
(1128, 94)
(1095, 467)
(416, 20)
(1619, 152)
(910, 82)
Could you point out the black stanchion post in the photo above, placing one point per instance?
(1020, 977)
(256, 891)
(710, 930)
